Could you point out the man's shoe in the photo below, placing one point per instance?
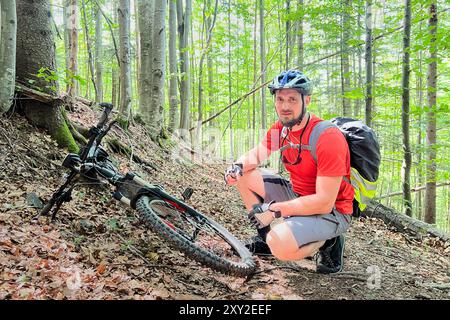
(258, 246)
(330, 258)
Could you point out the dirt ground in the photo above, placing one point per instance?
(98, 249)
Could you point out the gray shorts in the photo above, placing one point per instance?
(306, 229)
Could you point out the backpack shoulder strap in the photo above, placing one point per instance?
(315, 134)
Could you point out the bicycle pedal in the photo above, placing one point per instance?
(187, 193)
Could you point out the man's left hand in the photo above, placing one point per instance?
(261, 216)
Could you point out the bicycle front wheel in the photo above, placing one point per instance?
(198, 236)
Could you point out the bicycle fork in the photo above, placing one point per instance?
(63, 194)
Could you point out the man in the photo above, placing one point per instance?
(316, 204)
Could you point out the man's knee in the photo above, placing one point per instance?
(250, 176)
(251, 179)
(282, 242)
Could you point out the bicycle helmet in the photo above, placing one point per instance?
(292, 79)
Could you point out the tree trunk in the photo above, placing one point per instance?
(419, 133)
(404, 223)
(300, 36)
(114, 85)
(72, 25)
(211, 91)
(156, 120)
(209, 63)
(125, 69)
(288, 33)
(137, 50)
(406, 167)
(35, 50)
(255, 50)
(354, 81)
(88, 46)
(8, 23)
(230, 121)
(146, 16)
(369, 62)
(184, 17)
(98, 55)
(173, 74)
(280, 31)
(263, 64)
(345, 61)
(357, 110)
(84, 73)
(115, 82)
(66, 4)
(374, 70)
(209, 27)
(336, 84)
(192, 66)
(430, 192)
(249, 107)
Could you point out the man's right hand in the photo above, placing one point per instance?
(233, 173)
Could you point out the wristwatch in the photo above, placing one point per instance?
(276, 214)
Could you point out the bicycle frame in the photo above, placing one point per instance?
(136, 192)
(95, 159)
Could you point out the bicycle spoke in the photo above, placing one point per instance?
(165, 210)
(200, 237)
(198, 227)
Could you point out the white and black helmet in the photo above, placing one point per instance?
(292, 79)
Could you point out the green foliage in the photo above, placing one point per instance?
(355, 94)
(322, 36)
(48, 76)
(112, 224)
(51, 77)
(126, 245)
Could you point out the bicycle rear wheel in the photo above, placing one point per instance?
(198, 236)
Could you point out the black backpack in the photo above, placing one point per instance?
(365, 157)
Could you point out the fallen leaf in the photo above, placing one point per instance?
(153, 256)
(292, 297)
(101, 268)
(274, 297)
(258, 296)
(161, 294)
(99, 288)
(188, 297)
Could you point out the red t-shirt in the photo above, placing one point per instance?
(333, 159)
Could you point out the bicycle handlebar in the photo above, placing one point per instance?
(95, 131)
(106, 111)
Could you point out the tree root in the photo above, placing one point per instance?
(81, 137)
(84, 131)
(120, 147)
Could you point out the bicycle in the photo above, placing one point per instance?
(183, 227)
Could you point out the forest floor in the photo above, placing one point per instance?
(95, 248)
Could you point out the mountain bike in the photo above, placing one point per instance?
(181, 226)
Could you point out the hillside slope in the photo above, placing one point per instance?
(95, 248)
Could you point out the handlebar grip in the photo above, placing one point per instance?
(106, 111)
